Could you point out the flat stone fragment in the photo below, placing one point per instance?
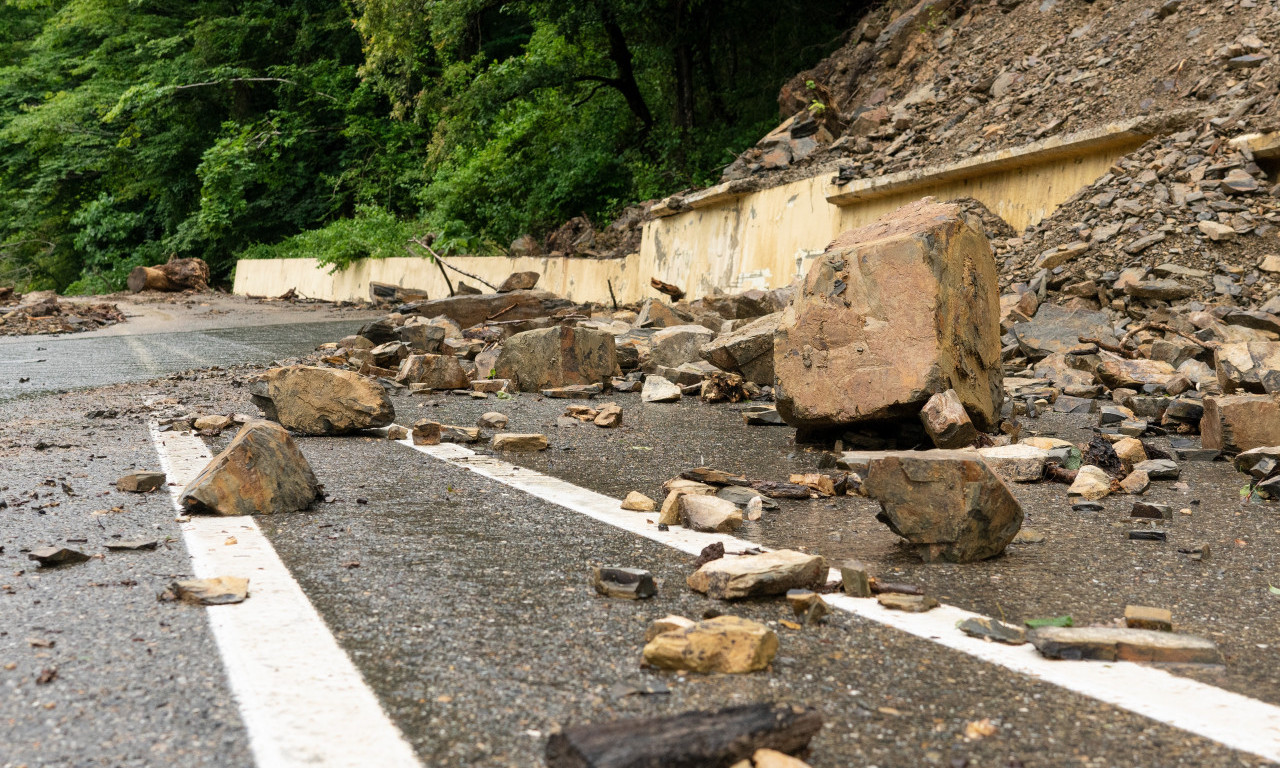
(1054, 330)
(131, 545)
(221, 590)
(946, 422)
(709, 513)
(260, 472)
(627, 583)
(322, 401)
(49, 557)
(733, 577)
(1016, 463)
(762, 416)
(609, 417)
(519, 281)
(574, 392)
(747, 350)
(659, 390)
(907, 603)
(638, 502)
(1149, 511)
(862, 340)
(454, 434)
(725, 645)
(492, 420)
(1123, 644)
(1159, 469)
(519, 443)
(948, 504)
(990, 629)
(1146, 617)
(141, 482)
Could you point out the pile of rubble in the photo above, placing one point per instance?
(44, 312)
(1188, 210)
(938, 80)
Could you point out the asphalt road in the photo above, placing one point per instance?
(465, 603)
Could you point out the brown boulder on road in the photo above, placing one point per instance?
(322, 401)
(890, 315)
(948, 504)
(557, 357)
(260, 472)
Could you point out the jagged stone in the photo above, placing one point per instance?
(322, 401)
(725, 645)
(863, 342)
(558, 357)
(260, 472)
(433, 372)
(946, 422)
(747, 350)
(734, 577)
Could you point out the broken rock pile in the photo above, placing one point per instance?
(44, 312)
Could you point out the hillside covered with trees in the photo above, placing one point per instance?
(132, 130)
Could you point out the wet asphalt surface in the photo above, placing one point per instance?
(35, 364)
(465, 603)
(1086, 567)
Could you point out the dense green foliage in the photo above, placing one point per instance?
(131, 130)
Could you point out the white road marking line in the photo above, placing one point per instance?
(302, 700)
(1228, 718)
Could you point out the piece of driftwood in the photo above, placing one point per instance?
(700, 739)
(675, 292)
(176, 275)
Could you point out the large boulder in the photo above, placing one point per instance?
(890, 315)
(260, 472)
(673, 347)
(948, 504)
(435, 371)
(557, 357)
(747, 350)
(322, 401)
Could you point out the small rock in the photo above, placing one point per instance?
(734, 577)
(907, 603)
(1142, 509)
(454, 434)
(1147, 535)
(709, 513)
(1146, 617)
(1135, 483)
(492, 420)
(658, 390)
(1123, 644)
(946, 421)
(132, 545)
(627, 583)
(141, 482)
(638, 502)
(397, 432)
(610, 416)
(573, 392)
(427, 432)
(221, 590)
(725, 645)
(260, 472)
(855, 578)
(1158, 469)
(49, 557)
(1091, 483)
(990, 629)
(212, 424)
(808, 604)
(762, 416)
(519, 443)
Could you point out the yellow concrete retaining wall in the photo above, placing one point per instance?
(730, 241)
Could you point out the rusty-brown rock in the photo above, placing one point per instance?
(519, 281)
(734, 577)
(1252, 366)
(890, 315)
(948, 504)
(946, 422)
(322, 401)
(260, 472)
(725, 644)
(558, 357)
(434, 372)
(1235, 423)
(747, 350)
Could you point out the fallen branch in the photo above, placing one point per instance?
(440, 260)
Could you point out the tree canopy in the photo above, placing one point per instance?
(132, 130)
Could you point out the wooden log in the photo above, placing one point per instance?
(148, 279)
(700, 739)
(674, 291)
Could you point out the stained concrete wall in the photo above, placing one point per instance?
(729, 240)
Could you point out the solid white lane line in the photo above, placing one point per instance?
(302, 700)
(1228, 718)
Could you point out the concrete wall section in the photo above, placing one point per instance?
(729, 238)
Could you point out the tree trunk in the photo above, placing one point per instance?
(625, 82)
(176, 275)
(148, 279)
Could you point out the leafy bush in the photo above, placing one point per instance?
(373, 233)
